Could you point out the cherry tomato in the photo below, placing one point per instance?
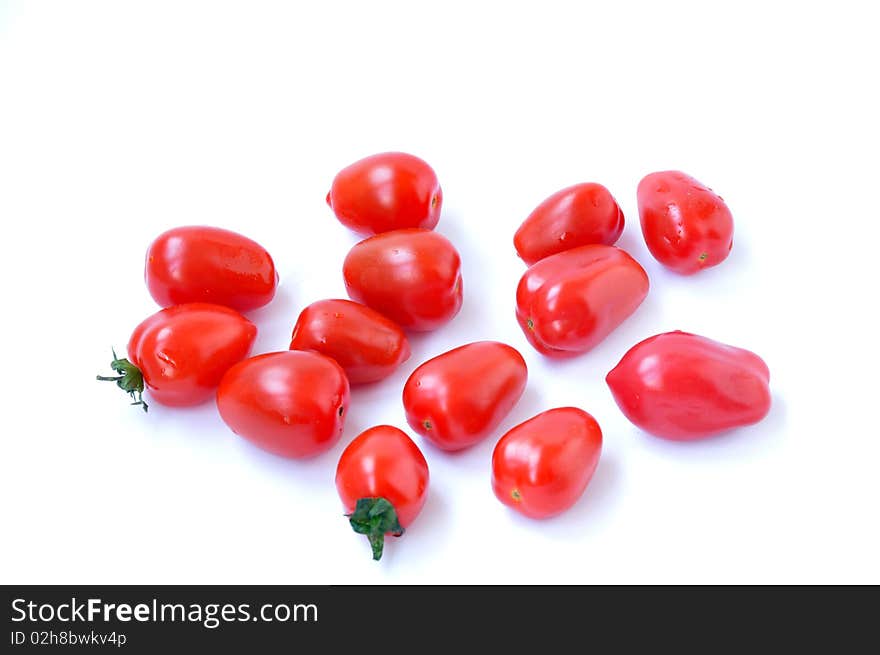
(411, 276)
(368, 346)
(382, 479)
(568, 302)
(389, 191)
(290, 403)
(686, 225)
(578, 215)
(683, 386)
(542, 466)
(207, 264)
(180, 353)
(458, 398)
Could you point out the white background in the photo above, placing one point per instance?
(119, 120)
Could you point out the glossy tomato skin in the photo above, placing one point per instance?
(290, 403)
(686, 225)
(683, 387)
(541, 467)
(458, 398)
(568, 302)
(578, 215)
(382, 462)
(384, 192)
(368, 346)
(184, 351)
(411, 276)
(209, 264)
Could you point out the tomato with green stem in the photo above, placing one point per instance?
(382, 480)
(179, 354)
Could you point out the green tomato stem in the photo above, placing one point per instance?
(130, 380)
(375, 517)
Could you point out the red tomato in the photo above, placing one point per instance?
(368, 346)
(382, 479)
(290, 403)
(569, 302)
(686, 225)
(575, 216)
(411, 276)
(542, 466)
(389, 191)
(458, 398)
(180, 353)
(207, 264)
(682, 386)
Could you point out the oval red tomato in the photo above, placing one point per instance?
(686, 225)
(411, 276)
(683, 386)
(290, 403)
(388, 191)
(542, 466)
(458, 398)
(578, 215)
(568, 302)
(180, 353)
(382, 479)
(208, 264)
(368, 346)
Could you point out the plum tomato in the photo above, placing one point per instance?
(568, 302)
(683, 387)
(687, 227)
(368, 346)
(411, 276)
(290, 403)
(388, 191)
(458, 398)
(209, 264)
(578, 215)
(542, 466)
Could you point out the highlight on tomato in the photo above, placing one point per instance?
(179, 354)
(578, 215)
(198, 263)
(290, 403)
(460, 397)
(569, 302)
(411, 276)
(541, 467)
(382, 479)
(687, 226)
(384, 192)
(368, 346)
(684, 387)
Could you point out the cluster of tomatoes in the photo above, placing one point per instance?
(405, 277)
